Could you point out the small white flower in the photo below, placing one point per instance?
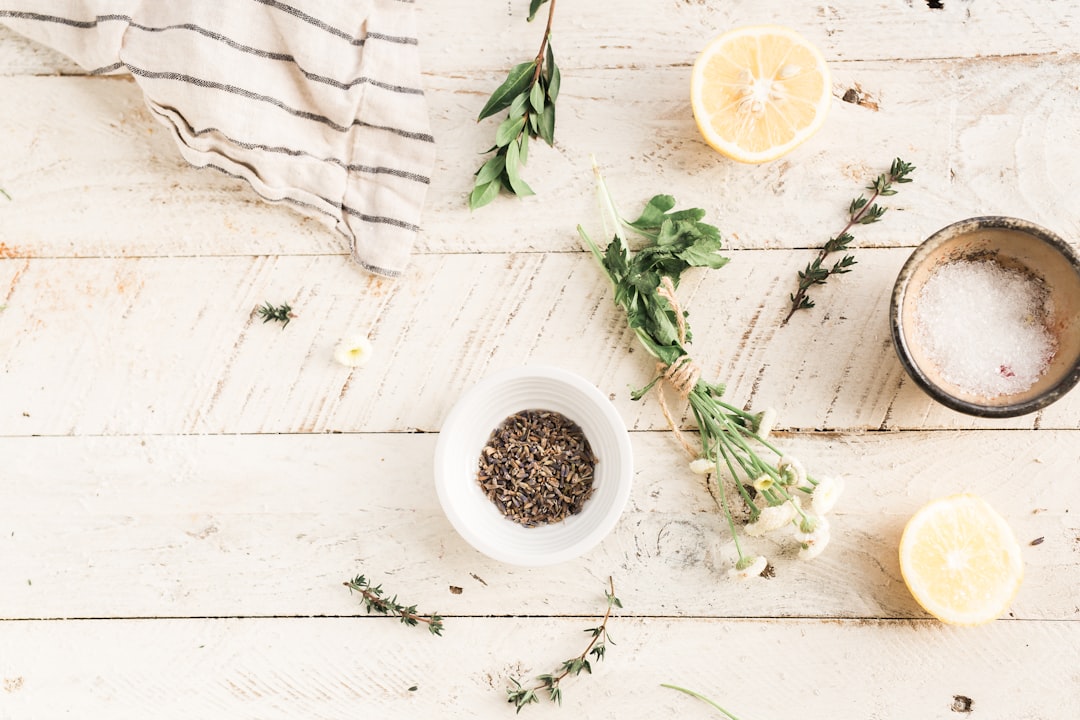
(702, 466)
(814, 547)
(825, 495)
(772, 518)
(812, 526)
(791, 471)
(354, 352)
(763, 483)
(764, 422)
(748, 567)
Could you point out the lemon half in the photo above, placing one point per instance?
(961, 561)
(759, 91)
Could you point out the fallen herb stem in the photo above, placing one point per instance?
(375, 602)
(521, 696)
(700, 697)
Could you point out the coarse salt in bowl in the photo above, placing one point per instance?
(985, 316)
(469, 425)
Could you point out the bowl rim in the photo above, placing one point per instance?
(610, 418)
(900, 342)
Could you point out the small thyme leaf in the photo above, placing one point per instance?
(282, 314)
(376, 602)
(861, 211)
(520, 696)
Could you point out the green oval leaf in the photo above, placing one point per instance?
(515, 84)
(482, 194)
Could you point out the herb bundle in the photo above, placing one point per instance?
(521, 696)
(528, 94)
(645, 282)
(376, 602)
(861, 211)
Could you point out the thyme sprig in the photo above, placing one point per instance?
(520, 696)
(733, 441)
(282, 313)
(376, 602)
(861, 211)
(528, 93)
(5, 193)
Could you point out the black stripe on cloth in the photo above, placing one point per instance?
(366, 265)
(379, 219)
(369, 169)
(242, 92)
(301, 15)
(374, 219)
(283, 57)
(107, 69)
(83, 24)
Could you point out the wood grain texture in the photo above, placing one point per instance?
(986, 141)
(342, 668)
(127, 346)
(183, 488)
(272, 525)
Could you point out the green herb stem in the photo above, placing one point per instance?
(861, 211)
(376, 602)
(520, 696)
(700, 697)
(528, 95)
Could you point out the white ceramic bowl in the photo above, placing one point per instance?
(469, 425)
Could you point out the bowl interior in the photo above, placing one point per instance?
(467, 429)
(1014, 245)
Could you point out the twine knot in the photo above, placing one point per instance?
(684, 373)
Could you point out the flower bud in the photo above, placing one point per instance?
(764, 422)
(702, 466)
(772, 518)
(825, 494)
(810, 550)
(748, 567)
(791, 471)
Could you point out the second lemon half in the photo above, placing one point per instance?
(759, 91)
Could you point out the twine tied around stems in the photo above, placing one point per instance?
(683, 374)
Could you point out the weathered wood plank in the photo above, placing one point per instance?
(169, 345)
(328, 668)
(986, 141)
(22, 56)
(272, 525)
(456, 36)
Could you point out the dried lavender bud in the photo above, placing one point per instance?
(537, 468)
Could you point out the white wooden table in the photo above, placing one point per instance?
(184, 488)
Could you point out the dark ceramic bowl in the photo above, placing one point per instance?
(1015, 244)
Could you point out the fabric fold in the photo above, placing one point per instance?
(318, 105)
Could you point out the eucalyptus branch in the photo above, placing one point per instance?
(521, 696)
(861, 211)
(375, 602)
(528, 94)
(282, 314)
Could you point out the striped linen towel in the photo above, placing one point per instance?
(316, 103)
